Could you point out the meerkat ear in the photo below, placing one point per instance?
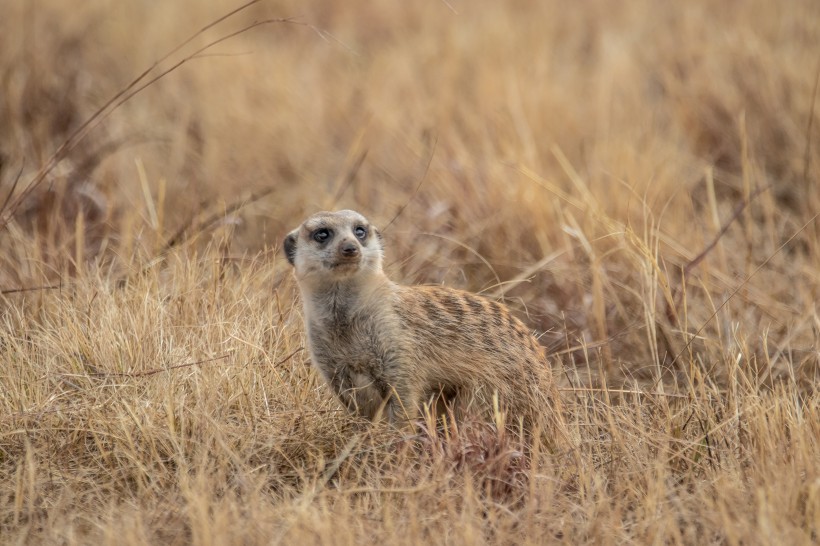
(290, 247)
(378, 235)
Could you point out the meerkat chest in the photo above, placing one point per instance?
(352, 344)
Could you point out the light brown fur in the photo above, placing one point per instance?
(384, 347)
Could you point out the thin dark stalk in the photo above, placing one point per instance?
(125, 94)
(694, 262)
(418, 187)
(29, 289)
(155, 371)
(744, 283)
(13, 187)
(181, 234)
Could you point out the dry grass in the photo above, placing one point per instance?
(575, 159)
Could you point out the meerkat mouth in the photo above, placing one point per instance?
(345, 264)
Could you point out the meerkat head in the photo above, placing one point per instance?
(333, 246)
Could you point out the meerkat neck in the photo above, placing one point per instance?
(342, 299)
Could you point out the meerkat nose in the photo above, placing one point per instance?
(349, 249)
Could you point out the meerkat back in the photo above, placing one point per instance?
(476, 348)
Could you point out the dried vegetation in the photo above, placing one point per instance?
(639, 180)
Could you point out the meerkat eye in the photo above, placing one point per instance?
(360, 232)
(321, 235)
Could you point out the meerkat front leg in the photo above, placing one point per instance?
(402, 405)
(361, 396)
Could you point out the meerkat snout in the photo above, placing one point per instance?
(349, 249)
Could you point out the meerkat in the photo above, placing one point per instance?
(386, 349)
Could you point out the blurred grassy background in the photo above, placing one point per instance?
(575, 159)
(591, 133)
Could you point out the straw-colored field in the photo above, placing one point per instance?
(638, 180)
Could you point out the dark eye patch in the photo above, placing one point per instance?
(322, 235)
(360, 232)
